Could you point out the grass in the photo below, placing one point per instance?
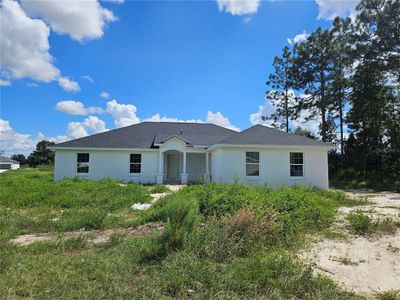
(362, 224)
(389, 295)
(30, 201)
(347, 261)
(219, 241)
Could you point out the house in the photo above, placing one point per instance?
(170, 152)
(8, 164)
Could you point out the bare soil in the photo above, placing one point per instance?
(366, 265)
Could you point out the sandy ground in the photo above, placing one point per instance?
(365, 265)
(95, 236)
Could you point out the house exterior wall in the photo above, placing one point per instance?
(229, 165)
(107, 163)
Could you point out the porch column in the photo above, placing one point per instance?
(207, 174)
(184, 175)
(160, 175)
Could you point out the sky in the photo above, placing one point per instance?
(75, 68)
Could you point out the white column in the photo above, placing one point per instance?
(207, 164)
(184, 175)
(160, 175)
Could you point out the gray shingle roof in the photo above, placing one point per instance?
(145, 134)
(4, 159)
(262, 135)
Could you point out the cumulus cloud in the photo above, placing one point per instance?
(90, 125)
(5, 82)
(299, 38)
(124, 114)
(25, 34)
(25, 45)
(104, 95)
(77, 108)
(12, 142)
(239, 7)
(81, 20)
(264, 110)
(329, 9)
(219, 119)
(68, 84)
(157, 118)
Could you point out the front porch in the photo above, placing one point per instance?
(181, 167)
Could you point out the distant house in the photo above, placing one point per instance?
(8, 164)
(167, 152)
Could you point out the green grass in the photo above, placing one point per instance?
(30, 201)
(362, 224)
(159, 188)
(219, 241)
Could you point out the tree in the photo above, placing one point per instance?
(314, 62)
(304, 132)
(339, 89)
(281, 94)
(42, 155)
(20, 158)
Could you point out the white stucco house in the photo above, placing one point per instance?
(8, 164)
(168, 152)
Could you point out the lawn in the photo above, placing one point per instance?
(219, 241)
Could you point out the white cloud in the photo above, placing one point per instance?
(114, 1)
(76, 108)
(157, 118)
(68, 84)
(12, 142)
(81, 20)
(124, 114)
(88, 78)
(104, 95)
(5, 82)
(25, 45)
(219, 119)
(299, 38)
(263, 110)
(90, 125)
(329, 9)
(239, 7)
(25, 40)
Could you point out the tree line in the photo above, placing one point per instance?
(348, 78)
(40, 156)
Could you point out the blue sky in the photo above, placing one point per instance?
(158, 60)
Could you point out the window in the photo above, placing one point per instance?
(296, 164)
(82, 165)
(252, 163)
(135, 163)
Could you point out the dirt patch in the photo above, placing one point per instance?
(96, 236)
(365, 265)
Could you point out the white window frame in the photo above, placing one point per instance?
(252, 163)
(78, 164)
(296, 164)
(135, 163)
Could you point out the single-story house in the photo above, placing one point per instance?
(171, 152)
(8, 163)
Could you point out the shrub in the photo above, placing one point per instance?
(359, 222)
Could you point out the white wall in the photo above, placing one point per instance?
(107, 163)
(229, 164)
(195, 166)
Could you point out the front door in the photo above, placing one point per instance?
(173, 167)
